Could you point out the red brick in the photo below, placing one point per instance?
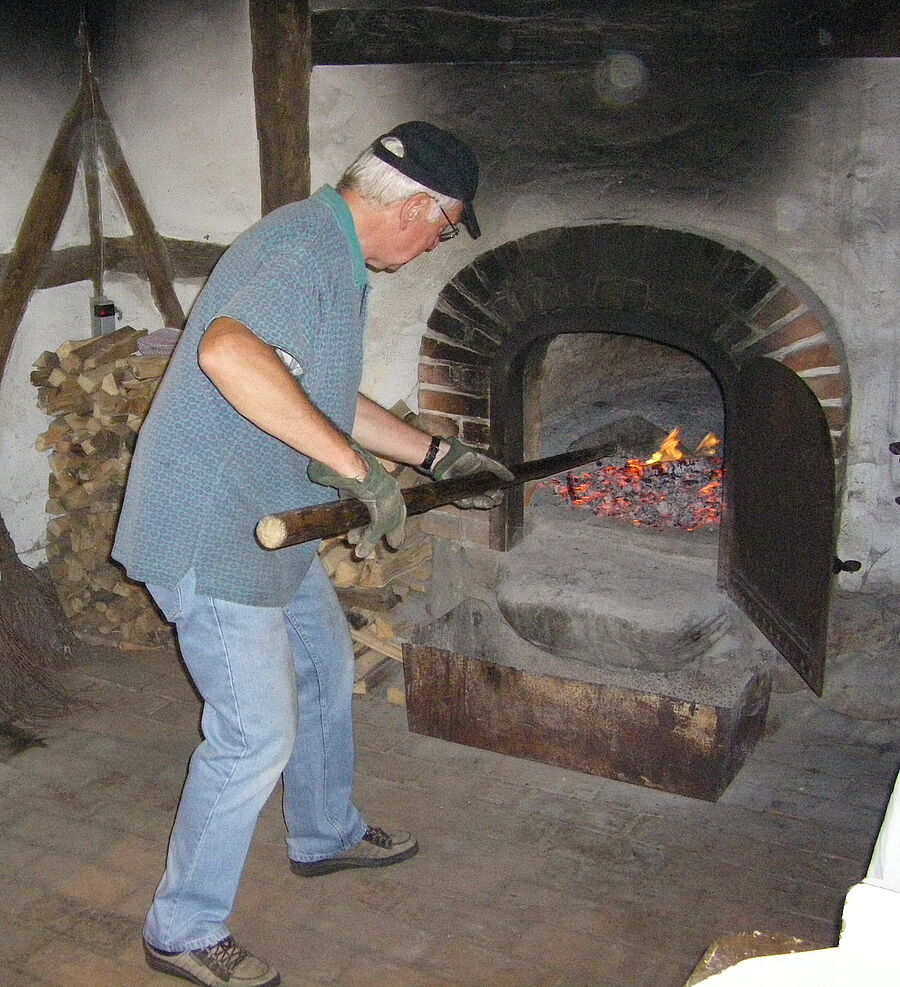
(452, 403)
(803, 327)
(439, 425)
(464, 379)
(827, 386)
(476, 433)
(436, 373)
(439, 349)
(776, 308)
(836, 418)
(817, 356)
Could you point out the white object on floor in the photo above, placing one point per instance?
(868, 951)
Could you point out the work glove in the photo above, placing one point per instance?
(463, 460)
(381, 495)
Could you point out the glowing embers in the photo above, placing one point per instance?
(670, 489)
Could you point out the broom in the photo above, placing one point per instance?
(34, 640)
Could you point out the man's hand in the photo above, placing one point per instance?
(463, 460)
(379, 491)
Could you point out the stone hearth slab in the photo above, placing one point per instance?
(470, 679)
(607, 595)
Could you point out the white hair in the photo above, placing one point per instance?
(377, 181)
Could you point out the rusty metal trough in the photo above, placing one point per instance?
(472, 680)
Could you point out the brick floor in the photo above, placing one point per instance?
(527, 875)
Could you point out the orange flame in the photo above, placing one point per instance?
(670, 450)
(709, 445)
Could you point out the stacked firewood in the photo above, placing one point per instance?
(369, 591)
(371, 588)
(97, 391)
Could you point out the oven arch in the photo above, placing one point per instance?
(753, 325)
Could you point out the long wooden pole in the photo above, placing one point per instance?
(295, 527)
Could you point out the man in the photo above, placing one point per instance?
(252, 417)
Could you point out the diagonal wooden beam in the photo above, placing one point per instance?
(39, 228)
(150, 244)
(89, 164)
(280, 38)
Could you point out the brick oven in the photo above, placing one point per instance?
(779, 364)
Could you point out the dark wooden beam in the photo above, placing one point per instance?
(404, 35)
(280, 38)
(89, 163)
(573, 31)
(193, 259)
(40, 226)
(68, 265)
(189, 259)
(150, 244)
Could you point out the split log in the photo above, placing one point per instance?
(370, 670)
(384, 646)
(377, 584)
(379, 653)
(382, 569)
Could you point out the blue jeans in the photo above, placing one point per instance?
(277, 685)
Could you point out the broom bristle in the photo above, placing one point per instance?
(28, 688)
(34, 638)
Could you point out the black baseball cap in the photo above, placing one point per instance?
(438, 160)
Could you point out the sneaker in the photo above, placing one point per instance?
(225, 964)
(377, 849)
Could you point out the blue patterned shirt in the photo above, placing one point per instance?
(202, 475)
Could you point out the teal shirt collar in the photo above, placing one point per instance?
(327, 195)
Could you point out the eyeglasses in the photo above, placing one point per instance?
(452, 229)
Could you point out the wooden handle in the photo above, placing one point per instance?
(326, 520)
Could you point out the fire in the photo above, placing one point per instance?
(671, 488)
(670, 450)
(709, 445)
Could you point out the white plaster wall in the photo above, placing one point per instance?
(35, 92)
(176, 80)
(55, 315)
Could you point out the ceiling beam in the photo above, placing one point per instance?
(564, 31)
(280, 40)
